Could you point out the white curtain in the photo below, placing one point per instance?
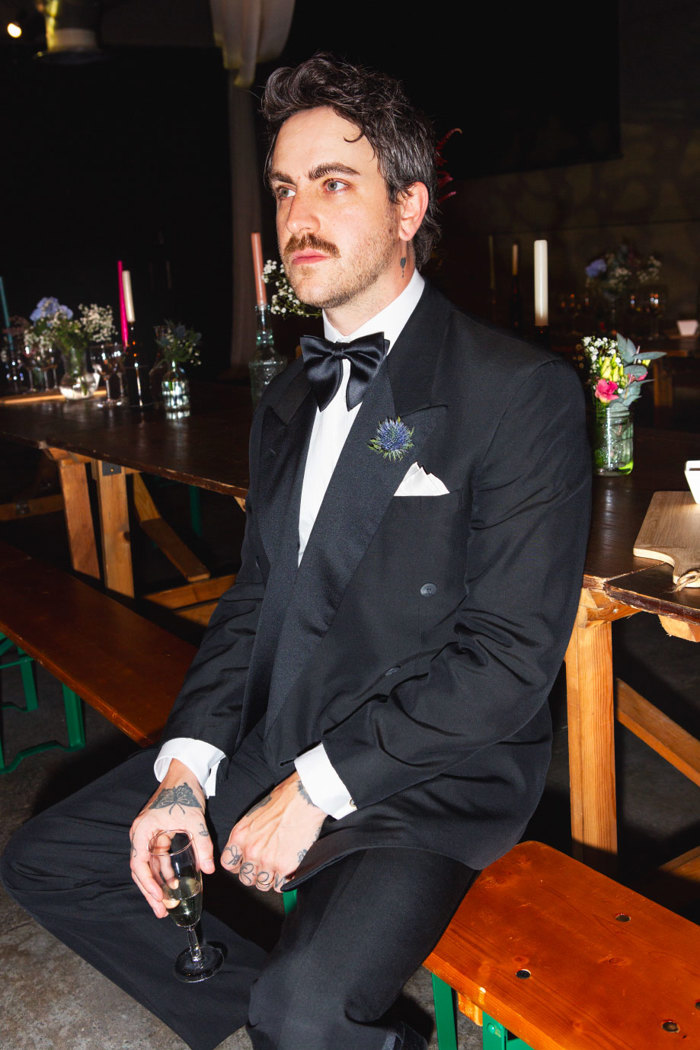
(248, 32)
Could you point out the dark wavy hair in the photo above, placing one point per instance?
(401, 137)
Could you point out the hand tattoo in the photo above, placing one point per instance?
(203, 830)
(301, 854)
(304, 793)
(181, 796)
(235, 856)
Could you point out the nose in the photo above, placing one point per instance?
(301, 216)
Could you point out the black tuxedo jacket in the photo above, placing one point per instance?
(420, 636)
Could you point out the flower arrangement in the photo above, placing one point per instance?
(614, 272)
(178, 344)
(55, 326)
(283, 301)
(616, 368)
(97, 322)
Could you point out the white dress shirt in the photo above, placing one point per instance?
(330, 430)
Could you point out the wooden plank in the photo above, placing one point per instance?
(114, 529)
(596, 982)
(192, 593)
(589, 685)
(30, 507)
(658, 731)
(164, 536)
(175, 550)
(687, 866)
(79, 523)
(690, 632)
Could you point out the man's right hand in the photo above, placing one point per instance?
(179, 802)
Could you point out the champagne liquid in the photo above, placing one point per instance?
(188, 895)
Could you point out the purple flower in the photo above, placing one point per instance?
(393, 439)
(596, 268)
(48, 307)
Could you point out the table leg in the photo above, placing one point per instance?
(76, 503)
(114, 526)
(591, 715)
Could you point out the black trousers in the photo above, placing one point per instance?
(361, 927)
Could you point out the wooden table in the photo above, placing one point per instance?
(210, 450)
(616, 584)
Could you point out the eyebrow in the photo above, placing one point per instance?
(319, 172)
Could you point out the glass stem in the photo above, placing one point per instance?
(195, 950)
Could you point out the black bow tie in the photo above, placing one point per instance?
(323, 362)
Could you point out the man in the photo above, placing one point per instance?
(366, 718)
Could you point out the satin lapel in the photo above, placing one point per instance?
(355, 502)
(284, 444)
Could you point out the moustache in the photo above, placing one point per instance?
(300, 244)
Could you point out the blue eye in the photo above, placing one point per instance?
(282, 193)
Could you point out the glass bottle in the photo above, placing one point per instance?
(266, 363)
(136, 383)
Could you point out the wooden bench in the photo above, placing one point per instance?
(124, 666)
(552, 955)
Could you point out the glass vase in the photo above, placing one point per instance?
(175, 391)
(613, 439)
(78, 380)
(266, 363)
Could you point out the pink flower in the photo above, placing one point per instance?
(606, 391)
(638, 379)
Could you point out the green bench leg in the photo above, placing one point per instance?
(497, 1037)
(72, 706)
(445, 1015)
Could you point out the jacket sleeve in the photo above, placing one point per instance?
(530, 510)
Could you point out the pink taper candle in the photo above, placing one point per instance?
(260, 290)
(122, 306)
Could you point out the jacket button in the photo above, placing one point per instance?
(428, 589)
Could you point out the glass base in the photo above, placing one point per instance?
(189, 971)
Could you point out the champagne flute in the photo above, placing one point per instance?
(174, 864)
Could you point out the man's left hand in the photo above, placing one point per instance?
(267, 845)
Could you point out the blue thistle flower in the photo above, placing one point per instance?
(393, 439)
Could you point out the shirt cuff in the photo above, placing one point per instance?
(202, 758)
(322, 784)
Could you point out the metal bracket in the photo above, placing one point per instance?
(109, 468)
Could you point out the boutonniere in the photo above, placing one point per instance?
(393, 439)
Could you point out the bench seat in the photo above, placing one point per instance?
(124, 666)
(567, 959)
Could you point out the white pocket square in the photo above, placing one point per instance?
(417, 483)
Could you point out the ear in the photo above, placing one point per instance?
(413, 203)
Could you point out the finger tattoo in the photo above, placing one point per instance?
(247, 873)
(234, 856)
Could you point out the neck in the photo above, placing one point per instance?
(351, 315)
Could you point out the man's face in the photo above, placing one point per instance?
(338, 232)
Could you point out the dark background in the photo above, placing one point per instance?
(129, 157)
